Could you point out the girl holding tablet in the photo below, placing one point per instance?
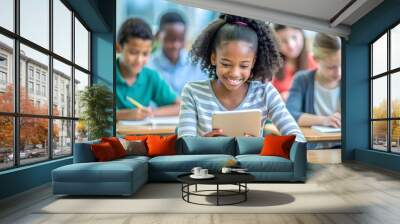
(234, 51)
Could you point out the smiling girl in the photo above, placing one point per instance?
(234, 51)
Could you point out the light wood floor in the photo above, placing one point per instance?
(378, 188)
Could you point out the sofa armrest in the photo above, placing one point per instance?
(83, 152)
(298, 155)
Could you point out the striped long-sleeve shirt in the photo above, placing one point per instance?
(199, 102)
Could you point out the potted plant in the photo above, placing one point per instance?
(96, 102)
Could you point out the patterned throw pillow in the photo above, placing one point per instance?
(134, 147)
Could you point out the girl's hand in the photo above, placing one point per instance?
(142, 113)
(334, 120)
(214, 133)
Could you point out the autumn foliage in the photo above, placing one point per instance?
(33, 131)
(380, 127)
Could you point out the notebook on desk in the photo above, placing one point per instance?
(172, 120)
(324, 129)
(237, 123)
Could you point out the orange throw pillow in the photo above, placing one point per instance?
(103, 152)
(116, 145)
(136, 138)
(277, 145)
(161, 145)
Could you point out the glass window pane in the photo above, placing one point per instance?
(81, 131)
(7, 14)
(33, 140)
(379, 55)
(6, 74)
(62, 29)
(81, 81)
(35, 21)
(395, 47)
(395, 94)
(379, 135)
(62, 141)
(379, 98)
(81, 45)
(34, 96)
(395, 136)
(6, 142)
(62, 89)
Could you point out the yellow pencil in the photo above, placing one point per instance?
(134, 102)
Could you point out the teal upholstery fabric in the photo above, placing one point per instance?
(298, 155)
(249, 145)
(257, 163)
(83, 152)
(126, 175)
(195, 145)
(184, 163)
(119, 177)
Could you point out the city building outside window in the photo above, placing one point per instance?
(30, 87)
(55, 129)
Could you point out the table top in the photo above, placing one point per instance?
(220, 178)
(145, 129)
(315, 136)
(310, 134)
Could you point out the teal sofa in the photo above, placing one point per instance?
(125, 176)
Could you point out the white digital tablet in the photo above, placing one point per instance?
(238, 123)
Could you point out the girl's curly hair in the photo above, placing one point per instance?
(233, 28)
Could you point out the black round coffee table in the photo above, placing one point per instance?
(238, 179)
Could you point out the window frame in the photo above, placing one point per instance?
(16, 115)
(388, 74)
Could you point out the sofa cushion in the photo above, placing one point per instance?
(131, 158)
(116, 145)
(185, 163)
(103, 152)
(112, 171)
(257, 163)
(277, 145)
(249, 145)
(134, 147)
(161, 145)
(196, 145)
(136, 137)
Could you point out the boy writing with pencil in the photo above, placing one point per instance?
(137, 85)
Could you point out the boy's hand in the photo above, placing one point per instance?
(214, 133)
(142, 113)
(335, 120)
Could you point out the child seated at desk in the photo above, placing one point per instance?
(234, 51)
(137, 85)
(314, 97)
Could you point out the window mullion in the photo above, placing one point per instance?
(50, 81)
(73, 123)
(16, 84)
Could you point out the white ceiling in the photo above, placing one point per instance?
(315, 15)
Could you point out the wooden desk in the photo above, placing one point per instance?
(146, 130)
(315, 136)
(309, 134)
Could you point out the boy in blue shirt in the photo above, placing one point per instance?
(172, 61)
(137, 82)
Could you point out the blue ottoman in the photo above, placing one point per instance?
(118, 177)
